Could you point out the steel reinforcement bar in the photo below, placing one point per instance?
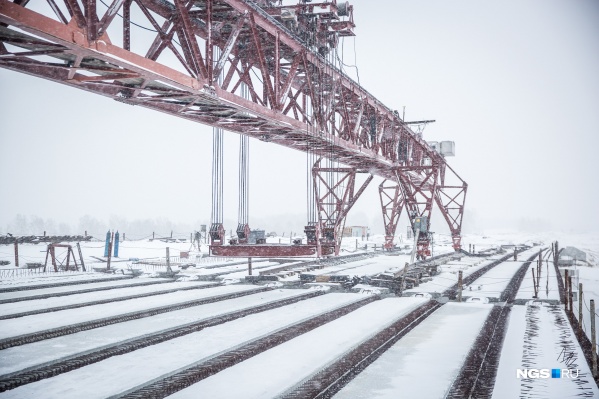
(83, 291)
(14, 380)
(74, 282)
(476, 378)
(88, 325)
(103, 301)
(204, 369)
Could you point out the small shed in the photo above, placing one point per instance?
(569, 254)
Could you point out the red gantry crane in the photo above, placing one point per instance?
(258, 68)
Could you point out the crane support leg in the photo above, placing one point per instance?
(335, 193)
(392, 203)
(419, 186)
(450, 196)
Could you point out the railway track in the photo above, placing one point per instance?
(73, 328)
(331, 379)
(82, 291)
(72, 282)
(189, 376)
(476, 378)
(103, 301)
(324, 384)
(47, 370)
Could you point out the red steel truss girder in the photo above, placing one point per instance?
(348, 122)
(303, 70)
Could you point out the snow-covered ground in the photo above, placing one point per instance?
(536, 339)
(272, 372)
(435, 348)
(448, 273)
(8, 309)
(67, 289)
(44, 321)
(423, 361)
(166, 357)
(25, 356)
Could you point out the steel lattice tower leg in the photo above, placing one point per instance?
(392, 203)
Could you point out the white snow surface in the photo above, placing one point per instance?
(44, 321)
(272, 372)
(37, 353)
(540, 350)
(166, 357)
(492, 283)
(437, 348)
(48, 303)
(76, 287)
(448, 273)
(43, 279)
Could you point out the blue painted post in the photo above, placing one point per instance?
(116, 244)
(107, 243)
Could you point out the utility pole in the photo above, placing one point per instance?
(460, 286)
(580, 309)
(566, 287)
(249, 266)
(110, 251)
(168, 260)
(571, 294)
(547, 281)
(16, 253)
(81, 257)
(539, 265)
(593, 339)
(534, 283)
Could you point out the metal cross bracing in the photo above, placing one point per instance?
(160, 54)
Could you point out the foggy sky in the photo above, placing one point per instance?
(514, 83)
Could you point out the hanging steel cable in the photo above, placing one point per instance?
(243, 229)
(217, 233)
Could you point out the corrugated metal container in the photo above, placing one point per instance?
(434, 145)
(447, 148)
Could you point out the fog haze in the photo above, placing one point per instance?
(514, 83)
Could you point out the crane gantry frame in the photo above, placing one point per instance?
(297, 98)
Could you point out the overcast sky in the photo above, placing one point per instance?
(514, 83)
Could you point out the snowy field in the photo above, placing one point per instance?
(174, 354)
(37, 353)
(536, 334)
(436, 347)
(273, 372)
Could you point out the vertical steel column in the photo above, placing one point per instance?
(16, 254)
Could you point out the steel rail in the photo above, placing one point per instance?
(103, 301)
(476, 378)
(60, 366)
(83, 291)
(73, 282)
(88, 325)
(334, 377)
(189, 376)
